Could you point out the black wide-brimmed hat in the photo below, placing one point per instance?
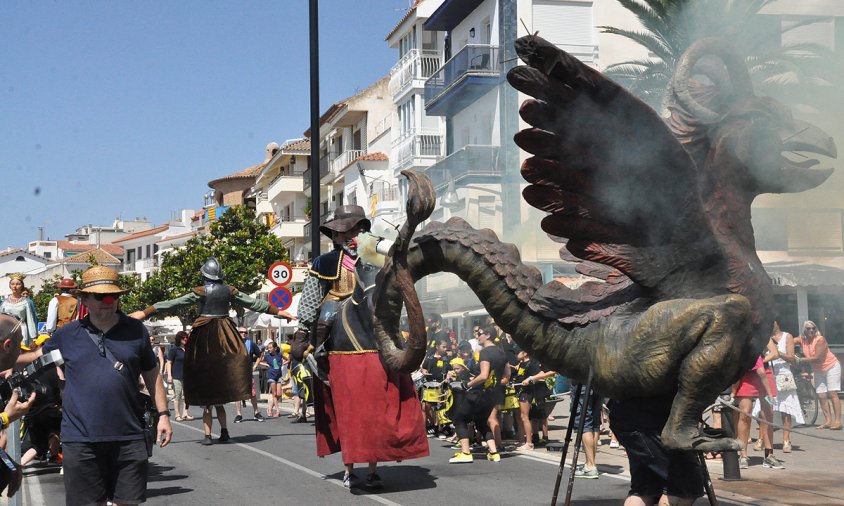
(346, 218)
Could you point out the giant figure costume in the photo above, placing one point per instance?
(369, 413)
(217, 367)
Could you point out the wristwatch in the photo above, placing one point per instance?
(164, 413)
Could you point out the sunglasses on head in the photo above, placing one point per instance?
(99, 297)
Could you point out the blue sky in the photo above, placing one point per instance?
(119, 108)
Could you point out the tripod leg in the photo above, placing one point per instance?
(574, 399)
(707, 481)
(579, 440)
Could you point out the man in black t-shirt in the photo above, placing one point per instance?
(482, 393)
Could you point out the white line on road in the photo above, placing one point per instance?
(622, 476)
(296, 466)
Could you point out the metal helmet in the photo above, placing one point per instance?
(211, 270)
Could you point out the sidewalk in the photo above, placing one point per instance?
(814, 473)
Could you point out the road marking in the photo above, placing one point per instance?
(620, 476)
(298, 467)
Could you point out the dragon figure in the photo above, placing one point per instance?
(658, 211)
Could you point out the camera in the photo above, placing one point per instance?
(26, 381)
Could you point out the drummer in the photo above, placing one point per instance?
(435, 367)
(531, 378)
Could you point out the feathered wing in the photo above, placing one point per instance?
(614, 180)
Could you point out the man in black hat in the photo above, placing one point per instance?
(395, 428)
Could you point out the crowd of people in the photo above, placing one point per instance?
(482, 394)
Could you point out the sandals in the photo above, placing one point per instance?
(713, 456)
(835, 427)
(179, 418)
(187, 418)
(822, 426)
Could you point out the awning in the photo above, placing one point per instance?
(802, 274)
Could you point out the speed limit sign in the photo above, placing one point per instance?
(280, 274)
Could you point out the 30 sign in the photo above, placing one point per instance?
(280, 274)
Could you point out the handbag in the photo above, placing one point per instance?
(785, 381)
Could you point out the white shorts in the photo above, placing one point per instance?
(829, 380)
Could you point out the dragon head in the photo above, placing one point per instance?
(758, 137)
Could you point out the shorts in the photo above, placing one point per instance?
(274, 376)
(95, 472)
(592, 422)
(829, 380)
(654, 470)
(178, 389)
(39, 429)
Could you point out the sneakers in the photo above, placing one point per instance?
(224, 435)
(238, 419)
(587, 473)
(758, 445)
(772, 462)
(373, 482)
(461, 458)
(350, 480)
(493, 457)
(743, 463)
(206, 441)
(614, 444)
(786, 447)
(432, 432)
(259, 417)
(299, 419)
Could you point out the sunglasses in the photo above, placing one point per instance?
(811, 329)
(99, 297)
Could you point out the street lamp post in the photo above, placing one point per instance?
(314, 45)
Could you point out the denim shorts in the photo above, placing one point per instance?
(94, 472)
(592, 423)
(654, 470)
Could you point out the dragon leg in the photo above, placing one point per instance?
(721, 328)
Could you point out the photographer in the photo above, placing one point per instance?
(10, 348)
(103, 437)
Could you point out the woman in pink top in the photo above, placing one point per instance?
(827, 373)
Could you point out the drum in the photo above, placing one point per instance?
(511, 400)
(448, 403)
(433, 392)
(418, 379)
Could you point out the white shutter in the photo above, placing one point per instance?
(564, 22)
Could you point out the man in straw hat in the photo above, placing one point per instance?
(360, 387)
(105, 353)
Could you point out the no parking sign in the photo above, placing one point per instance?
(281, 297)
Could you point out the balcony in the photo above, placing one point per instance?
(344, 159)
(290, 228)
(415, 65)
(285, 184)
(145, 264)
(418, 148)
(463, 79)
(469, 161)
(306, 179)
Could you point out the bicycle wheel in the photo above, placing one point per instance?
(808, 401)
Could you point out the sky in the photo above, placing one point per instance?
(128, 109)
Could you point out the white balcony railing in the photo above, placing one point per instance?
(145, 264)
(418, 147)
(285, 184)
(414, 65)
(344, 159)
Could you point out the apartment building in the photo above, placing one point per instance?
(354, 139)
(143, 249)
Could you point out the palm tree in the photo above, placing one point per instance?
(670, 27)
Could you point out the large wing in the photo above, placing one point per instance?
(614, 180)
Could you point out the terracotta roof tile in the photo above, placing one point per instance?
(297, 145)
(142, 234)
(247, 173)
(170, 238)
(101, 256)
(17, 251)
(378, 156)
(68, 246)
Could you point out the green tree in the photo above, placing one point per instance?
(671, 26)
(244, 247)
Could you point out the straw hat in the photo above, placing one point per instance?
(101, 279)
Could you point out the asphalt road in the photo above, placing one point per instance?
(274, 462)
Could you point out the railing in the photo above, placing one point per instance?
(306, 179)
(145, 264)
(471, 160)
(474, 59)
(416, 144)
(386, 192)
(344, 159)
(324, 166)
(307, 232)
(415, 64)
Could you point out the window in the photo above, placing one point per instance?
(407, 113)
(149, 251)
(20, 259)
(47, 254)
